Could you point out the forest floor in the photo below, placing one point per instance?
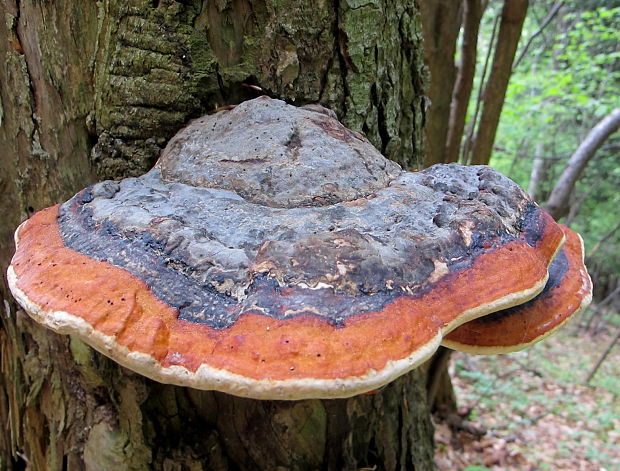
(536, 409)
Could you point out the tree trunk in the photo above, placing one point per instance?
(472, 14)
(513, 16)
(441, 20)
(93, 90)
(558, 203)
(538, 174)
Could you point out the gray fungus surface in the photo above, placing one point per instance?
(246, 203)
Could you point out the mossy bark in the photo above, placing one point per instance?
(93, 90)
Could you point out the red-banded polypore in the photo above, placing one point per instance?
(272, 253)
(567, 292)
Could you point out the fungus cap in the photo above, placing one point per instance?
(272, 253)
(567, 292)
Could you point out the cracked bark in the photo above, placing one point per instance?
(94, 90)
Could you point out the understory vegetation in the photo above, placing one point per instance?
(533, 410)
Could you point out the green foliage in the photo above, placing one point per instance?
(566, 83)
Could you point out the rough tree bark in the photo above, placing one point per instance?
(558, 202)
(513, 16)
(93, 90)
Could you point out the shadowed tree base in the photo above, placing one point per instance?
(113, 418)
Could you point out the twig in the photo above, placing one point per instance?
(523, 421)
(603, 356)
(600, 306)
(488, 389)
(576, 205)
(547, 157)
(524, 144)
(554, 11)
(24, 458)
(456, 422)
(603, 239)
(525, 367)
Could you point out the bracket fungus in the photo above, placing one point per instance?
(272, 253)
(567, 292)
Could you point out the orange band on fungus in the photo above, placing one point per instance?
(120, 305)
(498, 332)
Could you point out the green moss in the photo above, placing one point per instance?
(301, 426)
(106, 447)
(384, 76)
(83, 356)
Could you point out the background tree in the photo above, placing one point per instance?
(551, 89)
(445, 25)
(551, 69)
(93, 90)
(564, 84)
(558, 202)
(453, 76)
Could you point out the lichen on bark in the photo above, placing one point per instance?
(151, 77)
